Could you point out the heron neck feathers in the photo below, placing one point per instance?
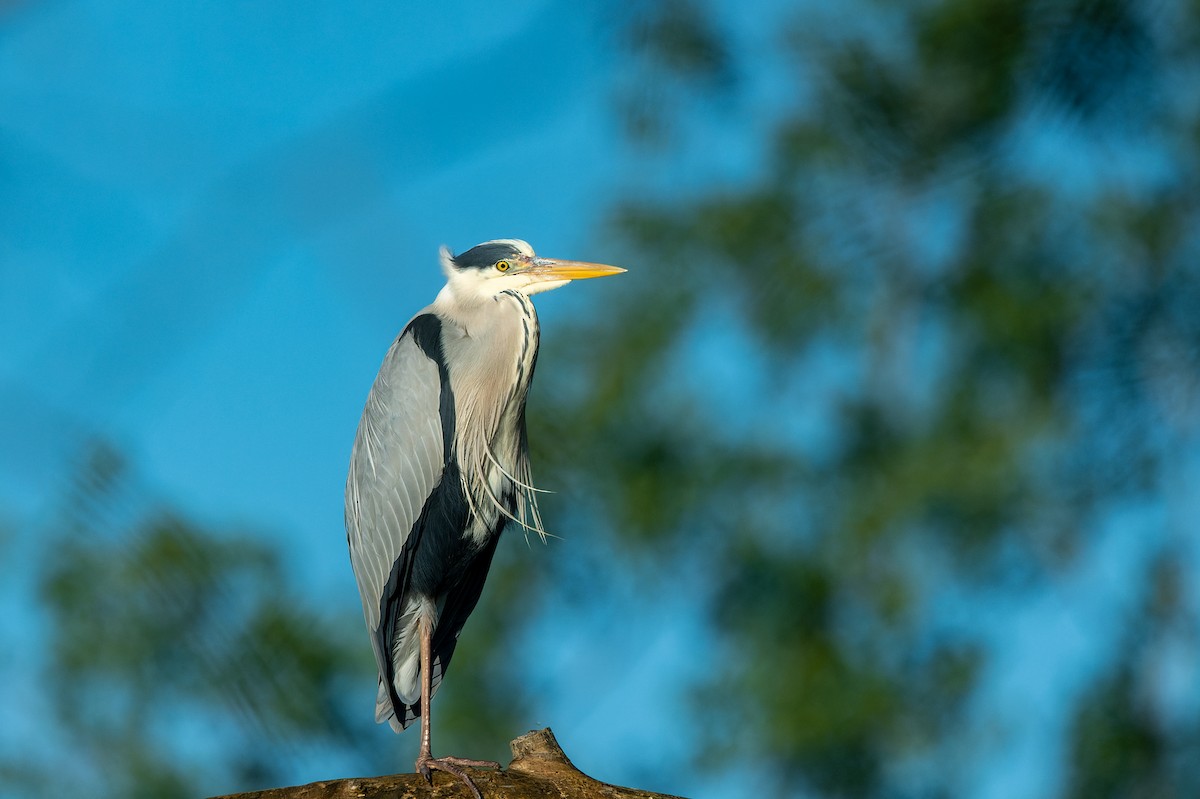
(490, 349)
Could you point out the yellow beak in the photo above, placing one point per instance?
(570, 270)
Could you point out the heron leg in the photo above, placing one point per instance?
(426, 762)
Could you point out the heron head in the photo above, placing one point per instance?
(487, 269)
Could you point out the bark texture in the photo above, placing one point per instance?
(539, 770)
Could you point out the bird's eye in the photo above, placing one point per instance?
(503, 266)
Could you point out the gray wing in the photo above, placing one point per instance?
(397, 460)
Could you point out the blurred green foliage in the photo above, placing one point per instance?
(1124, 743)
(1003, 392)
(156, 621)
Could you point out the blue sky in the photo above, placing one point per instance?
(220, 220)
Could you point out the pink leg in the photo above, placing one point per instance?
(426, 762)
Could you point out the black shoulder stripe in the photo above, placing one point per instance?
(426, 331)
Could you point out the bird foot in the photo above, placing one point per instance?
(457, 766)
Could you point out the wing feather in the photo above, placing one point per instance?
(397, 461)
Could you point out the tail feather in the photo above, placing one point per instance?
(409, 712)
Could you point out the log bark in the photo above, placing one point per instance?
(539, 770)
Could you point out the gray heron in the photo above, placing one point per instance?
(440, 465)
